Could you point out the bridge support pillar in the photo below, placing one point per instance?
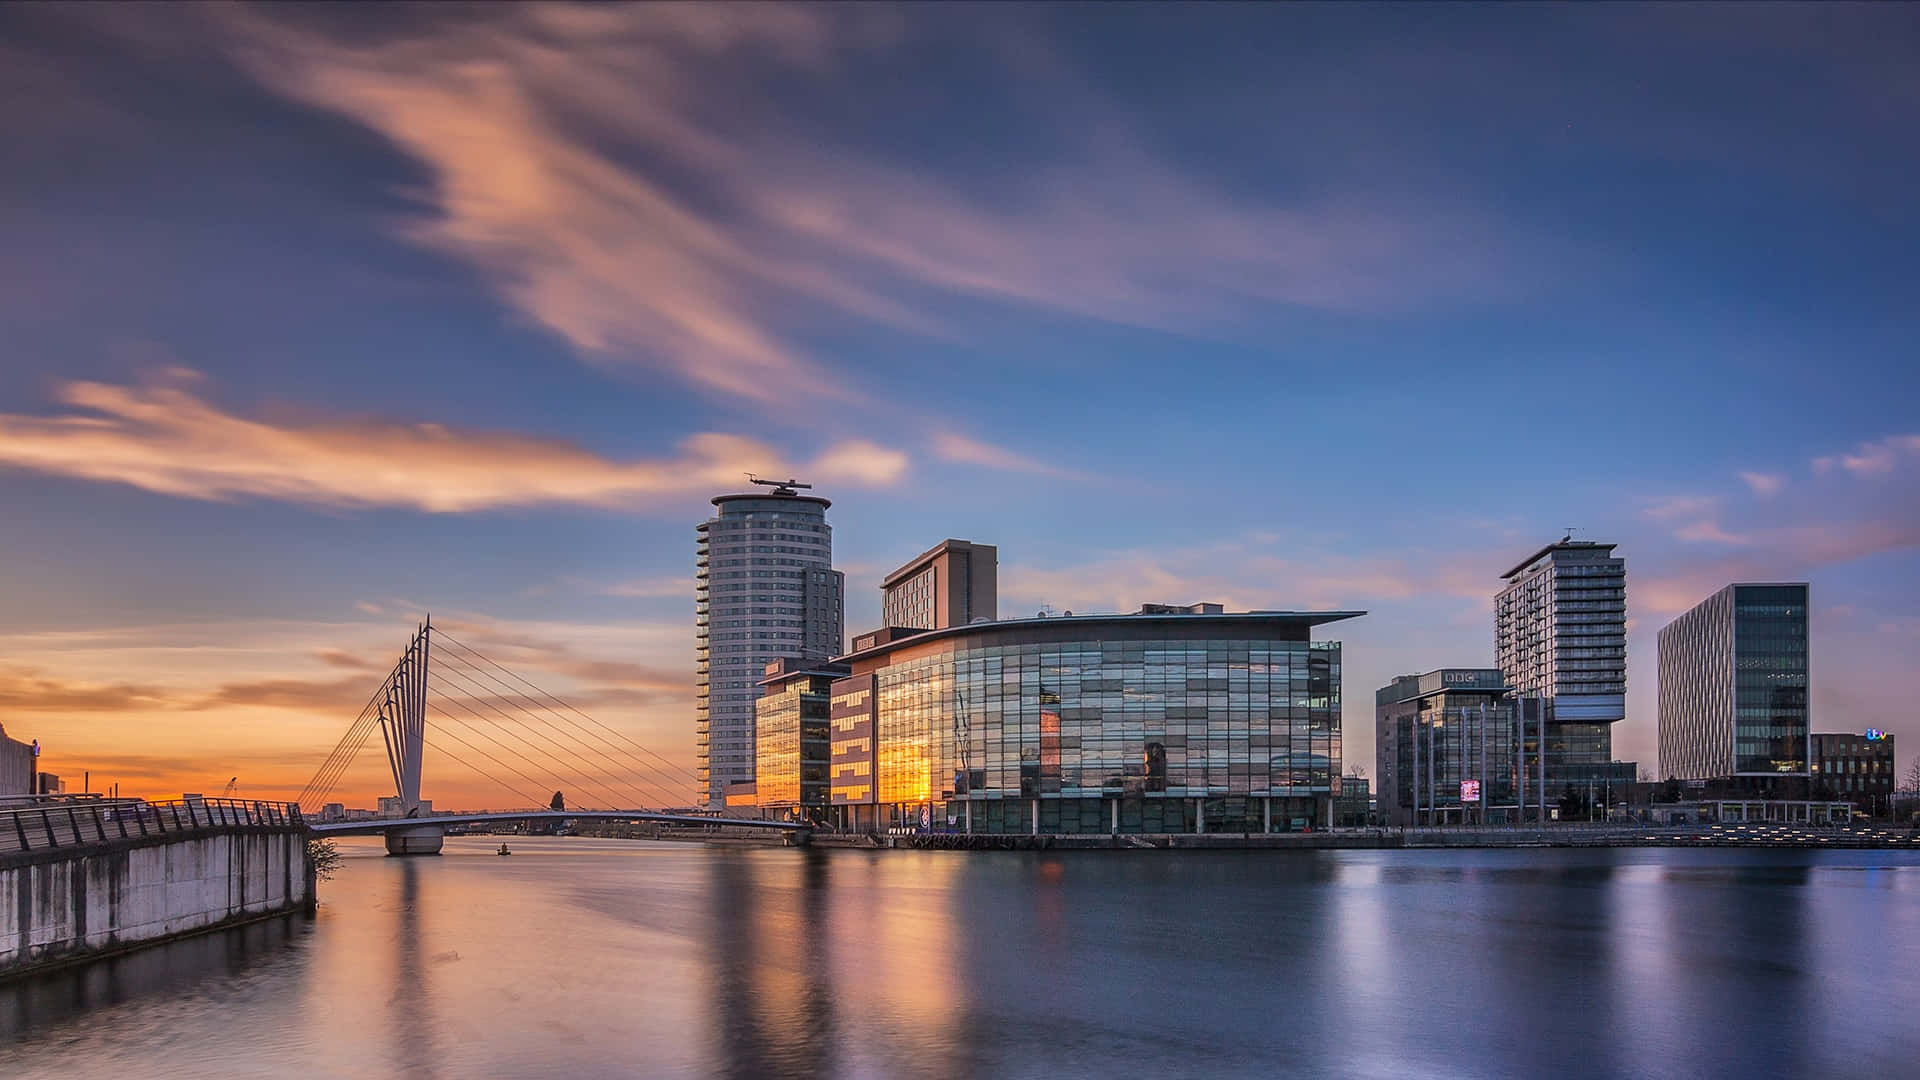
(418, 840)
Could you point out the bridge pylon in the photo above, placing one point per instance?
(403, 726)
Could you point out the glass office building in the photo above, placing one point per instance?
(1154, 723)
(1733, 686)
(791, 742)
(1447, 748)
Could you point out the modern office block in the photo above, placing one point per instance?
(1733, 687)
(1855, 768)
(1091, 724)
(765, 588)
(951, 584)
(1447, 749)
(791, 742)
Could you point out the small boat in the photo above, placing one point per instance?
(503, 850)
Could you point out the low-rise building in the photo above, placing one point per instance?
(1855, 768)
(393, 806)
(1447, 749)
(791, 738)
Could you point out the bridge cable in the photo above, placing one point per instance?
(517, 677)
(337, 762)
(672, 769)
(533, 801)
(529, 752)
(322, 785)
(451, 672)
(479, 693)
(477, 750)
(594, 744)
(346, 747)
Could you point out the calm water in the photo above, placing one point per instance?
(582, 958)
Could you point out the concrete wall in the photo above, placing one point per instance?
(68, 904)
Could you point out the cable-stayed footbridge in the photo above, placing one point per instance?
(446, 696)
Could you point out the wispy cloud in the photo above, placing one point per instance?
(961, 450)
(165, 439)
(642, 588)
(1765, 485)
(201, 701)
(33, 690)
(1872, 458)
(1670, 507)
(1241, 576)
(621, 177)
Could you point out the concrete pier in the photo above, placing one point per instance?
(66, 905)
(416, 840)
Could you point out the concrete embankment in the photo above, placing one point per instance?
(64, 903)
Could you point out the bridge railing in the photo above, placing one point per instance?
(101, 821)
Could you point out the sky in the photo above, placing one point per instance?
(314, 320)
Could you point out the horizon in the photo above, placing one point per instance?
(316, 322)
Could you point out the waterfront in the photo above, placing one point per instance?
(582, 957)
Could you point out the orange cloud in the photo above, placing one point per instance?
(166, 440)
(619, 176)
(163, 709)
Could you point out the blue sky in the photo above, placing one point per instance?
(312, 319)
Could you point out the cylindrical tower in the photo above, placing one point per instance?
(765, 588)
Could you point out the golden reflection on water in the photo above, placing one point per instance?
(580, 957)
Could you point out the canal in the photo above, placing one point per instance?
(600, 958)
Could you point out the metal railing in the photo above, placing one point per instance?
(100, 821)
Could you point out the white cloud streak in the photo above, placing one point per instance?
(165, 439)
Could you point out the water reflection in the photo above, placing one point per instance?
(44, 1001)
(410, 1013)
(603, 958)
(771, 997)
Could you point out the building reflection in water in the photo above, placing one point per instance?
(773, 1005)
(410, 1019)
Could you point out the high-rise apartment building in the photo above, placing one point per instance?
(1560, 636)
(765, 588)
(1733, 687)
(952, 584)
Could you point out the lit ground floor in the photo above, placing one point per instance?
(1070, 816)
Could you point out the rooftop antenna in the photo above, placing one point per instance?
(780, 487)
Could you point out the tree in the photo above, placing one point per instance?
(1913, 774)
(324, 857)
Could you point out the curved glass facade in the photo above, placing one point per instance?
(1140, 730)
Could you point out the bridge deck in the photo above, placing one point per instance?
(365, 828)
